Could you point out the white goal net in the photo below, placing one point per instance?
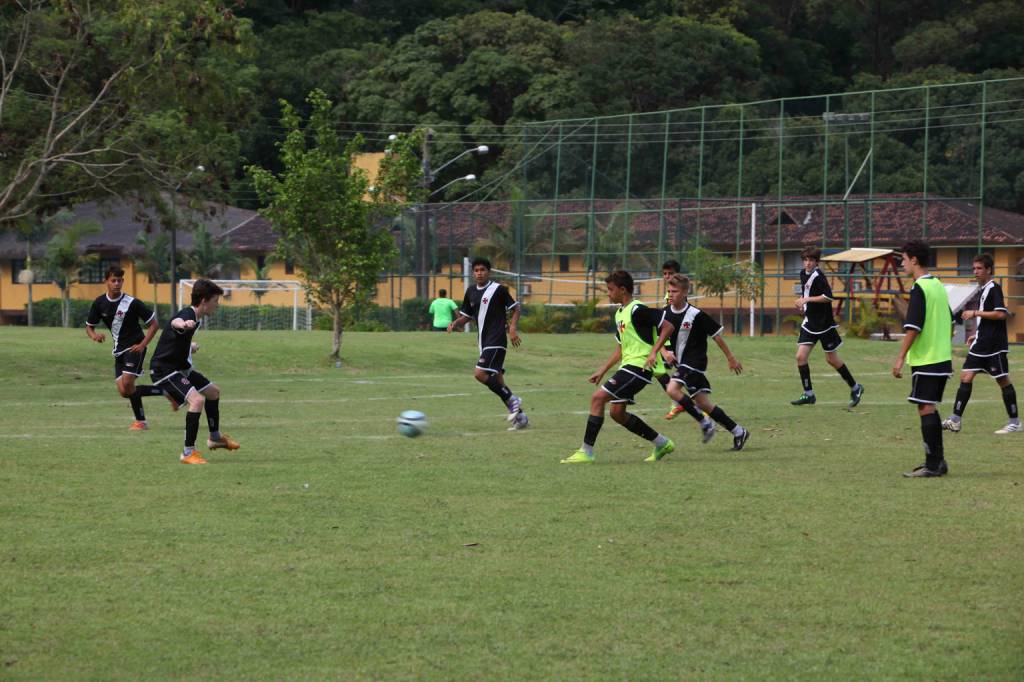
(256, 304)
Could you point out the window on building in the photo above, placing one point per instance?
(965, 260)
(563, 264)
(93, 272)
(289, 267)
(792, 264)
(532, 266)
(17, 265)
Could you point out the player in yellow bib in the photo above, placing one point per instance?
(640, 332)
(928, 347)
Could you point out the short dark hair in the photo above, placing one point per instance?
(204, 290)
(482, 261)
(919, 250)
(811, 252)
(115, 271)
(442, 293)
(672, 265)
(620, 278)
(986, 260)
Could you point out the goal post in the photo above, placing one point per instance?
(257, 304)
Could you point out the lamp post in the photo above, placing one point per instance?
(429, 175)
(174, 237)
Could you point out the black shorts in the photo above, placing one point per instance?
(492, 360)
(129, 363)
(996, 366)
(179, 384)
(626, 383)
(830, 340)
(926, 389)
(693, 381)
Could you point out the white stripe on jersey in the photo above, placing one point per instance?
(485, 303)
(683, 333)
(115, 324)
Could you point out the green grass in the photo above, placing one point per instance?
(470, 553)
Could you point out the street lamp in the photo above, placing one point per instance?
(464, 178)
(174, 237)
(429, 175)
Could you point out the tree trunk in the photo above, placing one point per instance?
(336, 341)
(721, 309)
(65, 314)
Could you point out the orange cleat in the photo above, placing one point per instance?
(225, 443)
(195, 458)
(674, 412)
(138, 426)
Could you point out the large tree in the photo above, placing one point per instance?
(105, 97)
(331, 221)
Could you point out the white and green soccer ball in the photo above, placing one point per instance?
(412, 423)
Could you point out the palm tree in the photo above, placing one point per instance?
(154, 258)
(209, 258)
(259, 273)
(33, 229)
(65, 259)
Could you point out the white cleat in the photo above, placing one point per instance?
(951, 425)
(1012, 427)
(520, 423)
(515, 408)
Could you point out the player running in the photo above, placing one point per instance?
(488, 304)
(987, 349)
(690, 352)
(819, 325)
(640, 332)
(172, 370)
(123, 314)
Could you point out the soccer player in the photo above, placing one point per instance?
(442, 308)
(489, 304)
(640, 332)
(663, 370)
(172, 370)
(690, 350)
(819, 325)
(122, 314)
(927, 346)
(987, 349)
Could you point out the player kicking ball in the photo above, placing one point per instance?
(491, 306)
(172, 370)
(640, 332)
(122, 314)
(690, 352)
(987, 349)
(819, 325)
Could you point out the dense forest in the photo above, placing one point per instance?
(159, 88)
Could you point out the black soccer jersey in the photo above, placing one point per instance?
(174, 350)
(124, 318)
(991, 336)
(690, 339)
(488, 307)
(817, 316)
(647, 323)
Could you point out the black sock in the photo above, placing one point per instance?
(498, 388)
(664, 380)
(148, 390)
(847, 377)
(136, 400)
(691, 408)
(191, 428)
(805, 376)
(1010, 400)
(931, 431)
(594, 425)
(963, 394)
(213, 415)
(640, 427)
(722, 418)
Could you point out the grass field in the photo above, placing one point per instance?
(329, 547)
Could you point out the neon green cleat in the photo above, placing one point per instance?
(658, 453)
(579, 457)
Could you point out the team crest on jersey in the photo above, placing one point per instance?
(185, 381)
(622, 327)
(687, 325)
(119, 313)
(484, 299)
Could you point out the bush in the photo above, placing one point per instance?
(869, 322)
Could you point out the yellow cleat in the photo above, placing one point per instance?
(195, 458)
(224, 443)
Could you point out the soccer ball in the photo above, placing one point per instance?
(412, 423)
